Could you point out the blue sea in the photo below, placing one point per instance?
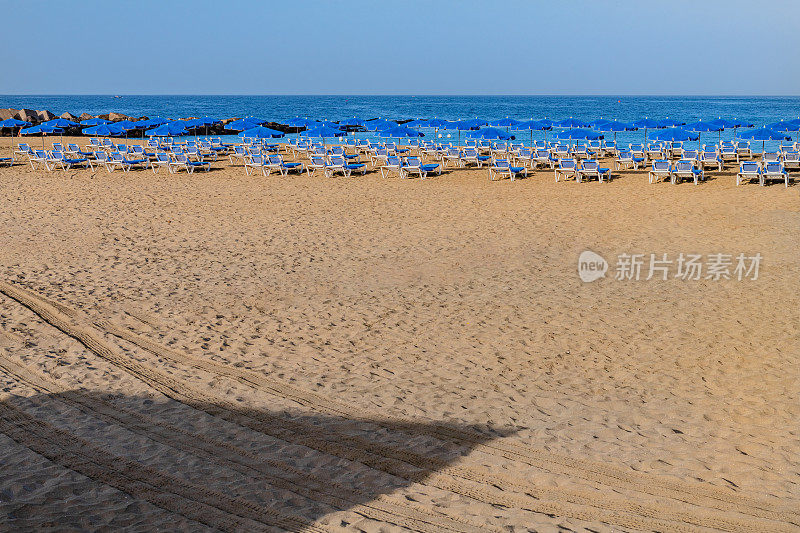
(758, 110)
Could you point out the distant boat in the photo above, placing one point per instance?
(116, 96)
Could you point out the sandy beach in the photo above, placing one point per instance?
(217, 351)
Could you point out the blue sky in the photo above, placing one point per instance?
(402, 47)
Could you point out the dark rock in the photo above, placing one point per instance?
(45, 115)
(28, 115)
(69, 116)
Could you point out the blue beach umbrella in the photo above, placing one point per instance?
(13, 123)
(490, 133)
(572, 122)
(417, 123)
(723, 123)
(400, 131)
(504, 122)
(596, 124)
(764, 135)
(470, 124)
(43, 129)
(295, 122)
(669, 123)
(615, 126)
(103, 130)
(125, 125)
(437, 122)
(538, 125)
(352, 122)
(60, 123)
(379, 124)
(465, 125)
(94, 122)
(191, 123)
(581, 134)
(701, 126)
(323, 132)
(261, 132)
(784, 125)
(149, 123)
(245, 124)
(208, 121)
(167, 130)
(647, 124)
(675, 134)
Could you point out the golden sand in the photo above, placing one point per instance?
(222, 351)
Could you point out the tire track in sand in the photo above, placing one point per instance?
(396, 462)
(376, 507)
(195, 502)
(719, 499)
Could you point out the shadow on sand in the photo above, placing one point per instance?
(232, 468)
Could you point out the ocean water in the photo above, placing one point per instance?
(758, 110)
